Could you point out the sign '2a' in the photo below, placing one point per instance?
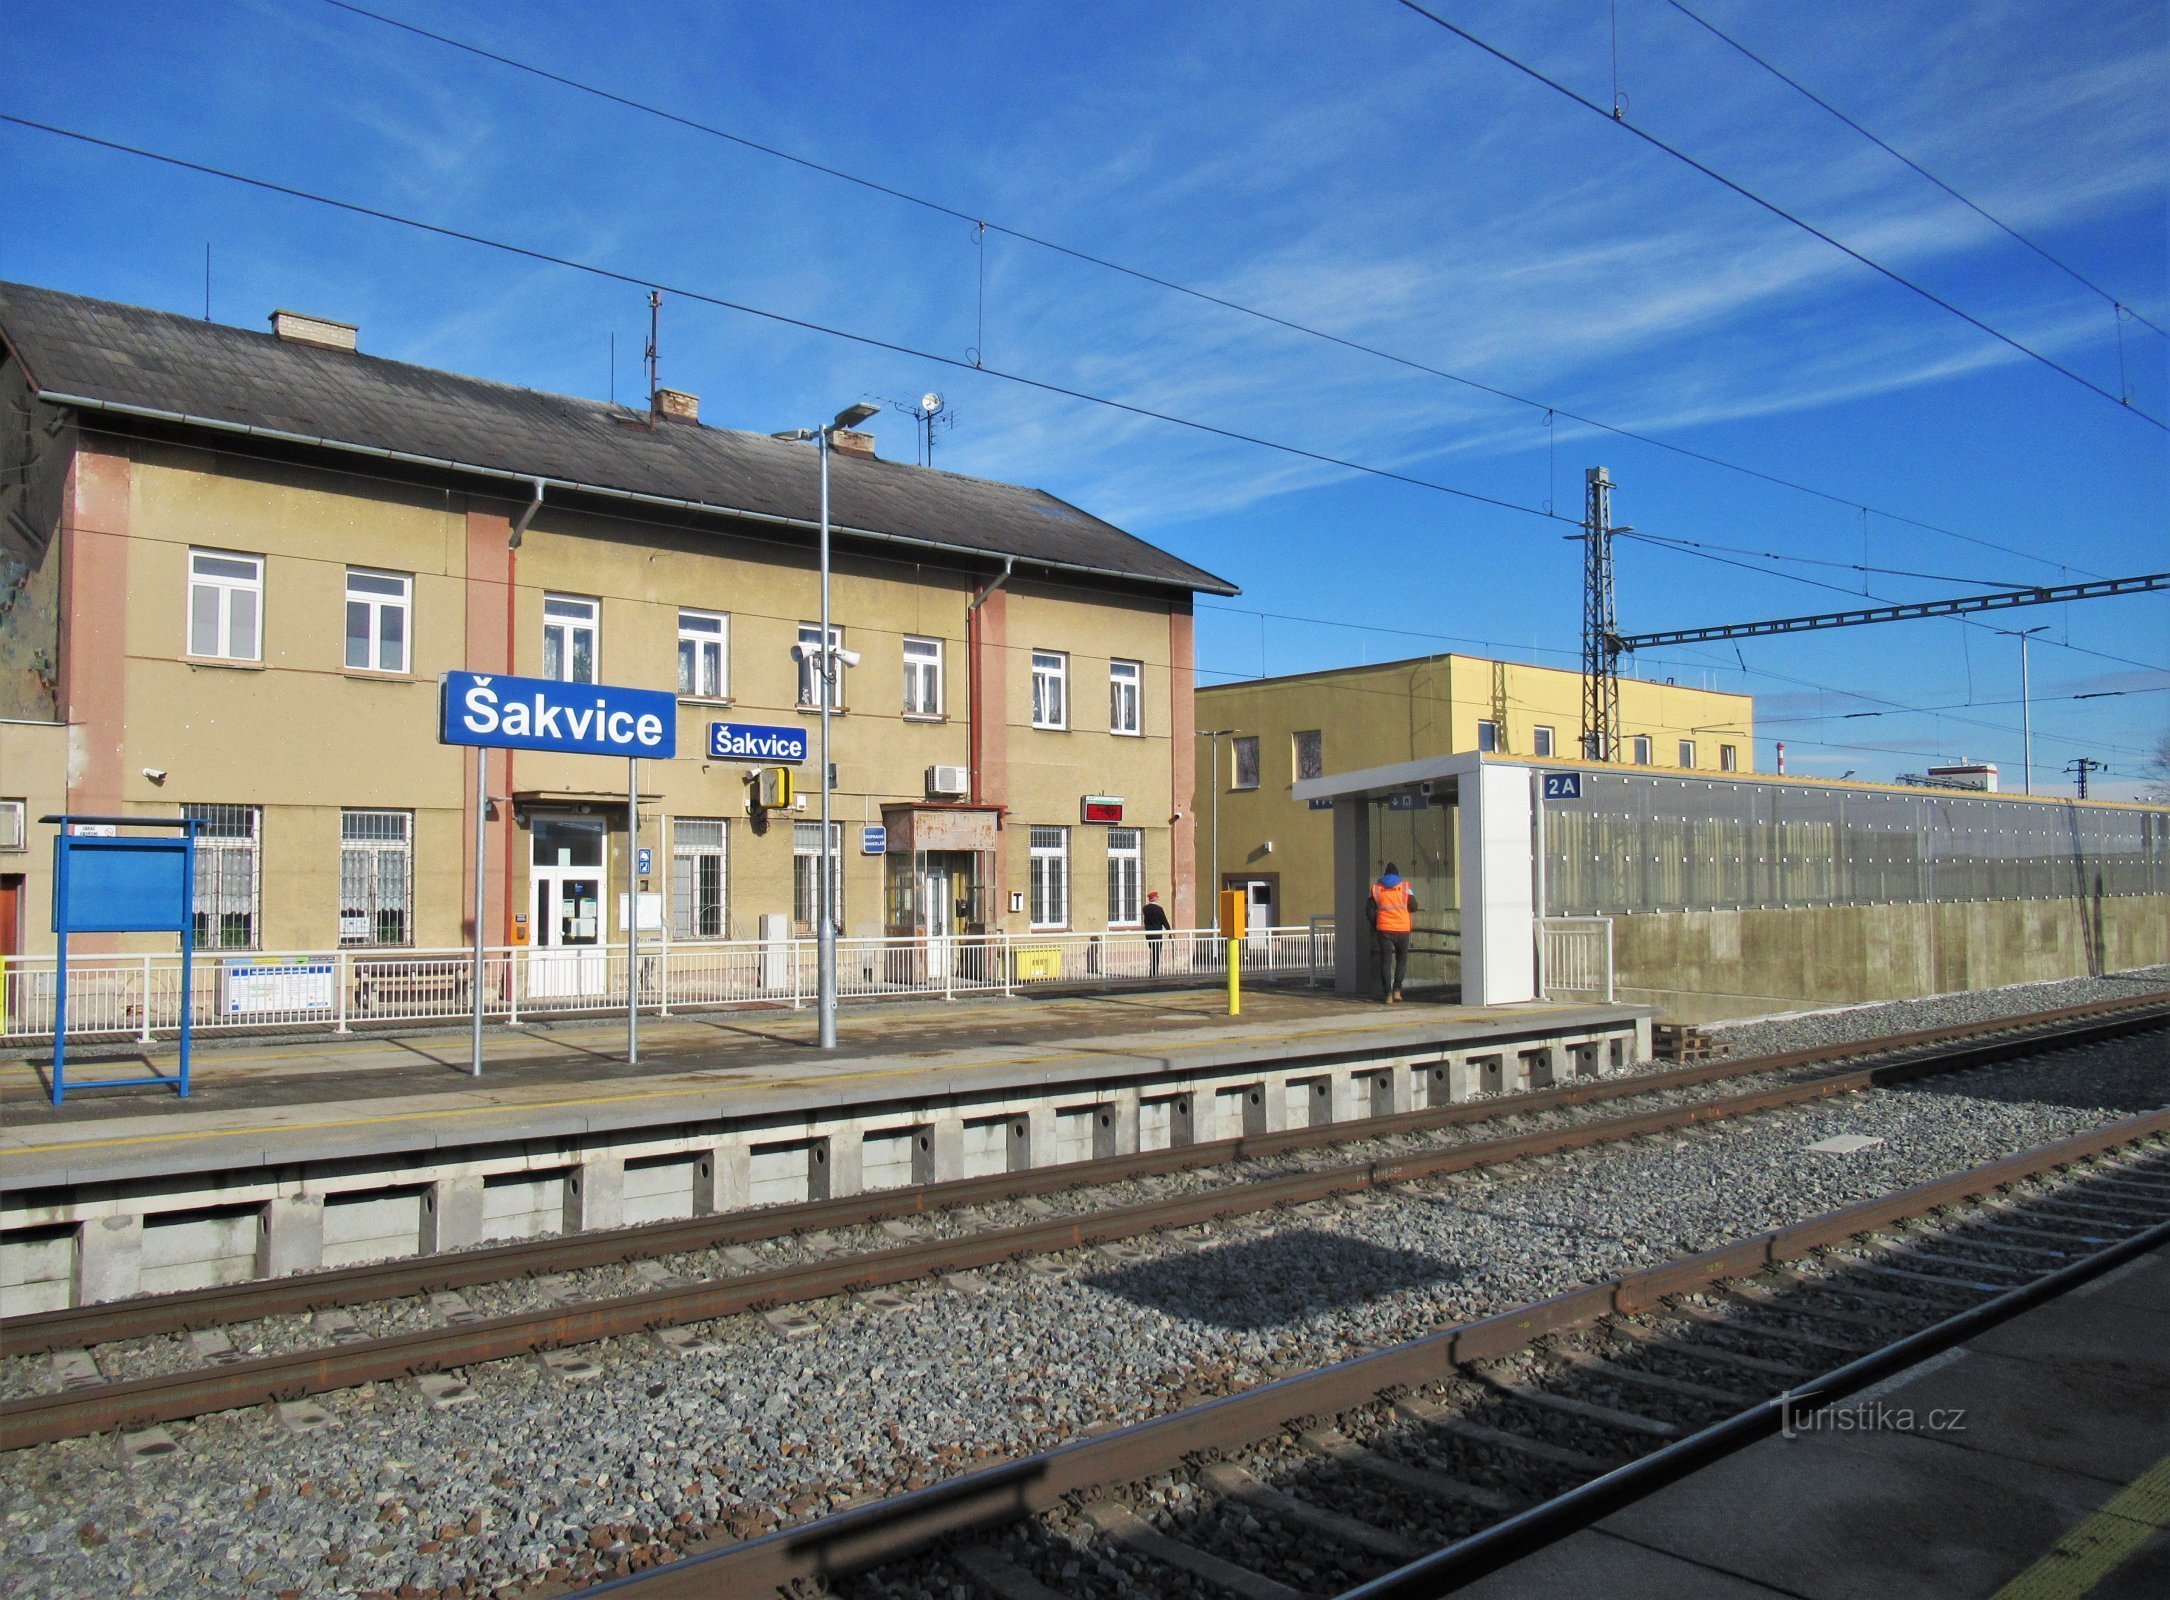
(591, 719)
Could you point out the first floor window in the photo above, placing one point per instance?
(1593, 748)
(227, 875)
(805, 869)
(1050, 877)
(377, 606)
(1543, 737)
(922, 677)
(1488, 736)
(1642, 750)
(1050, 689)
(1728, 758)
(1126, 877)
(225, 605)
(704, 639)
(1125, 707)
(1243, 758)
(376, 877)
(697, 908)
(810, 666)
(570, 624)
(1687, 752)
(1308, 753)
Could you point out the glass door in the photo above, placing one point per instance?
(567, 883)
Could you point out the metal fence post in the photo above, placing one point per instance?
(512, 985)
(342, 972)
(144, 1035)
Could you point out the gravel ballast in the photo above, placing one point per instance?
(540, 1479)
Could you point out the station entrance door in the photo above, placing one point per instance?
(568, 875)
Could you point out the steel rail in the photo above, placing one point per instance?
(43, 1419)
(882, 1531)
(147, 1316)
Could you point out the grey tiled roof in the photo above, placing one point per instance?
(127, 356)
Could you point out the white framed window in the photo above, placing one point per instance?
(1641, 749)
(1488, 736)
(1593, 748)
(697, 879)
(1050, 878)
(225, 605)
(704, 655)
(1687, 752)
(378, 608)
(1729, 759)
(805, 864)
(1243, 762)
(227, 876)
(1126, 699)
(922, 677)
(376, 877)
(809, 653)
(14, 825)
(1542, 735)
(570, 626)
(1126, 877)
(1050, 689)
(1307, 753)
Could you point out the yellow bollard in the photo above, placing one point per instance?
(1235, 977)
(1233, 917)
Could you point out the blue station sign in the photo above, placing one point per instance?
(752, 741)
(589, 719)
(1563, 786)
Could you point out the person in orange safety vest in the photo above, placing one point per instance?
(1393, 914)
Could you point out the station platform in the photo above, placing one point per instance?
(2033, 1463)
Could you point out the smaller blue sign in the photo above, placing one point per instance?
(1405, 802)
(751, 741)
(1563, 786)
(594, 719)
(1321, 805)
(873, 841)
(644, 861)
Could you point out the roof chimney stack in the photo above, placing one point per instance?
(675, 405)
(852, 442)
(297, 327)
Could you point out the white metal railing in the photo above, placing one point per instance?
(140, 995)
(1577, 955)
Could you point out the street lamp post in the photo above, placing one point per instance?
(2026, 706)
(1216, 735)
(828, 661)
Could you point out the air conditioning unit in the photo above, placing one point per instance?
(948, 783)
(14, 825)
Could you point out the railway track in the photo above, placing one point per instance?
(1407, 1471)
(228, 1379)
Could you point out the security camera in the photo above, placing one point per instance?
(155, 774)
(1178, 817)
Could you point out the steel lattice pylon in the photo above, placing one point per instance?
(1600, 637)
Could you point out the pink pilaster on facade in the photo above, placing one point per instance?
(94, 625)
(1183, 767)
(489, 593)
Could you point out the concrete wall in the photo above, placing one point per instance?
(1701, 966)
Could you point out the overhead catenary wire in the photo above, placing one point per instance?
(982, 226)
(2115, 303)
(1776, 210)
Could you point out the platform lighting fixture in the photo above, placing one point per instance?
(1216, 735)
(831, 661)
(2026, 706)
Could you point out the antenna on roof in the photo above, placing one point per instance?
(613, 367)
(207, 280)
(655, 324)
(928, 413)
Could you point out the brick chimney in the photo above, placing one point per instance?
(675, 405)
(852, 442)
(297, 327)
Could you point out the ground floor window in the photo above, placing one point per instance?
(376, 877)
(1126, 877)
(1050, 877)
(805, 866)
(697, 907)
(228, 875)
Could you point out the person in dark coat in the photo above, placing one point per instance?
(1156, 928)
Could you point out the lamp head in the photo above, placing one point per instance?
(851, 416)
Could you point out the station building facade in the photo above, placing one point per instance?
(233, 565)
(1261, 736)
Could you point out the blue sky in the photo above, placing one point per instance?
(1345, 165)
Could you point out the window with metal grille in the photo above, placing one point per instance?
(697, 905)
(805, 863)
(1050, 877)
(376, 877)
(704, 641)
(225, 605)
(226, 900)
(570, 626)
(1642, 754)
(1543, 737)
(1125, 699)
(377, 612)
(810, 666)
(1126, 877)
(1050, 689)
(1307, 752)
(1243, 761)
(922, 677)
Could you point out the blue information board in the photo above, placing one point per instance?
(589, 719)
(1563, 786)
(754, 741)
